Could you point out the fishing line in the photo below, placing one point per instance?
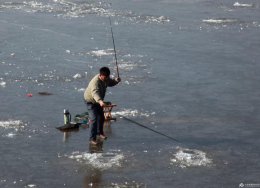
(141, 125)
(114, 46)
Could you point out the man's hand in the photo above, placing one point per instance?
(101, 103)
(118, 79)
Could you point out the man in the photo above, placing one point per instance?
(94, 98)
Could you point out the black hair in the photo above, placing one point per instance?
(104, 71)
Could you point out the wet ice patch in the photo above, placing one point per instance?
(133, 113)
(190, 158)
(102, 161)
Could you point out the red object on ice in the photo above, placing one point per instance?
(29, 94)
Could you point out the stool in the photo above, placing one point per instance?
(107, 112)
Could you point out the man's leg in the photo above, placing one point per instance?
(101, 119)
(93, 113)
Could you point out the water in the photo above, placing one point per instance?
(189, 69)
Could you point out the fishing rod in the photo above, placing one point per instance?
(141, 125)
(114, 46)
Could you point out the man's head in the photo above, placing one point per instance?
(104, 73)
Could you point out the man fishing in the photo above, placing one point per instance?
(94, 98)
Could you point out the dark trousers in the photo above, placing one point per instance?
(96, 119)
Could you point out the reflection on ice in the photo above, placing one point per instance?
(190, 158)
(100, 161)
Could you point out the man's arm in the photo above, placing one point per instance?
(96, 96)
(113, 82)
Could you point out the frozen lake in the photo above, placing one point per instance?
(189, 69)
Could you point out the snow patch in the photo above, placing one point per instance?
(190, 158)
(237, 4)
(133, 113)
(102, 161)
